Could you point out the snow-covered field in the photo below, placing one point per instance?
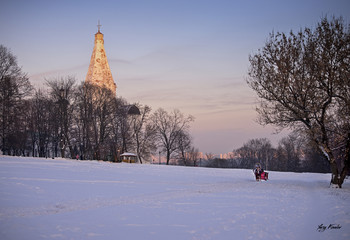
(69, 199)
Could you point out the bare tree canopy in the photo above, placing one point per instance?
(15, 86)
(62, 94)
(143, 131)
(169, 128)
(11, 75)
(303, 82)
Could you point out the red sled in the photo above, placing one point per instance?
(262, 176)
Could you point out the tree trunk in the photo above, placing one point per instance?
(338, 177)
(346, 167)
(138, 149)
(167, 157)
(335, 180)
(333, 164)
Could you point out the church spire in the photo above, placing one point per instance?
(99, 25)
(99, 72)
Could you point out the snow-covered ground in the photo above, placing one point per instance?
(69, 199)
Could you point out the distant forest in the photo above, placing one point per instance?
(293, 154)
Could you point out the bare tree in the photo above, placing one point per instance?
(83, 121)
(124, 125)
(313, 159)
(289, 153)
(41, 128)
(168, 128)
(95, 108)
(15, 86)
(193, 156)
(303, 83)
(210, 160)
(62, 94)
(255, 151)
(143, 132)
(184, 143)
(209, 156)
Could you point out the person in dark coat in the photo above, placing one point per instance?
(258, 171)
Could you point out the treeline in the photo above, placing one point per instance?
(81, 120)
(293, 154)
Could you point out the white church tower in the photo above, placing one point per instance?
(99, 72)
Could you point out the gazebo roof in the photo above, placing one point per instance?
(128, 154)
(133, 110)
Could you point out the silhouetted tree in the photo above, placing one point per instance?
(192, 156)
(95, 110)
(143, 132)
(62, 93)
(255, 151)
(41, 131)
(289, 153)
(303, 82)
(169, 127)
(14, 86)
(184, 143)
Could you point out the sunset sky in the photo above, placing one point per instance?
(185, 54)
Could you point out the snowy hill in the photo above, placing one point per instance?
(69, 199)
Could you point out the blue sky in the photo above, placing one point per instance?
(190, 55)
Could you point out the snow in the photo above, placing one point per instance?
(128, 154)
(70, 199)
